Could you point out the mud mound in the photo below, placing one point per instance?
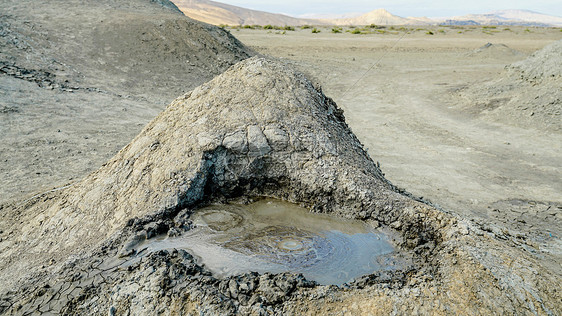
(527, 94)
(80, 78)
(121, 47)
(259, 129)
(543, 64)
(499, 51)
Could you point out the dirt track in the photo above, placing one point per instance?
(406, 110)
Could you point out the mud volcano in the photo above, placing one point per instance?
(260, 129)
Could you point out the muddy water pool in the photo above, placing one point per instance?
(276, 236)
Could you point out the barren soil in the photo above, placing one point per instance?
(78, 80)
(406, 109)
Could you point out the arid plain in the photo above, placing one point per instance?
(402, 93)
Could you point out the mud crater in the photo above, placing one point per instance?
(275, 236)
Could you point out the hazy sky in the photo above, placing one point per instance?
(436, 8)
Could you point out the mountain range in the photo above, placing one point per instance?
(217, 13)
(506, 17)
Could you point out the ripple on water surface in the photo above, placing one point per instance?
(276, 236)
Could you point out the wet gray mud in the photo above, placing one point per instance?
(275, 236)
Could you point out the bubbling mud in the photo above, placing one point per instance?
(276, 236)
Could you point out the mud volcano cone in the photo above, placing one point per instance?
(258, 129)
(527, 94)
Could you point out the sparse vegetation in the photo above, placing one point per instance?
(356, 31)
(306, 27)
(268, 27)
(374, 26)
(337, 30)
(429, 33)
(315, 30)
(288, 28)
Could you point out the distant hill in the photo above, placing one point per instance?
(380, 17)
(219, 13)
(506, 17)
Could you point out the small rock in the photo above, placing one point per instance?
(233, 288)
(131, 243)
(112, 311)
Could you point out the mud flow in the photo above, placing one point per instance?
(276, 236)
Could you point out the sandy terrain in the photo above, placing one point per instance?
(407, 111)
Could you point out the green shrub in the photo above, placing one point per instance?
(336, 30)
(268, 27)
(306, 27)
(315, 30)
(429, 33)
(289, 28)
(356, 31)
(378, 27)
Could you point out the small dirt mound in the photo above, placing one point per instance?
(499, 51)
(543, 64)
(527, 94)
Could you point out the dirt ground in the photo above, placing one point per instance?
(78, 80)
(400, 96)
